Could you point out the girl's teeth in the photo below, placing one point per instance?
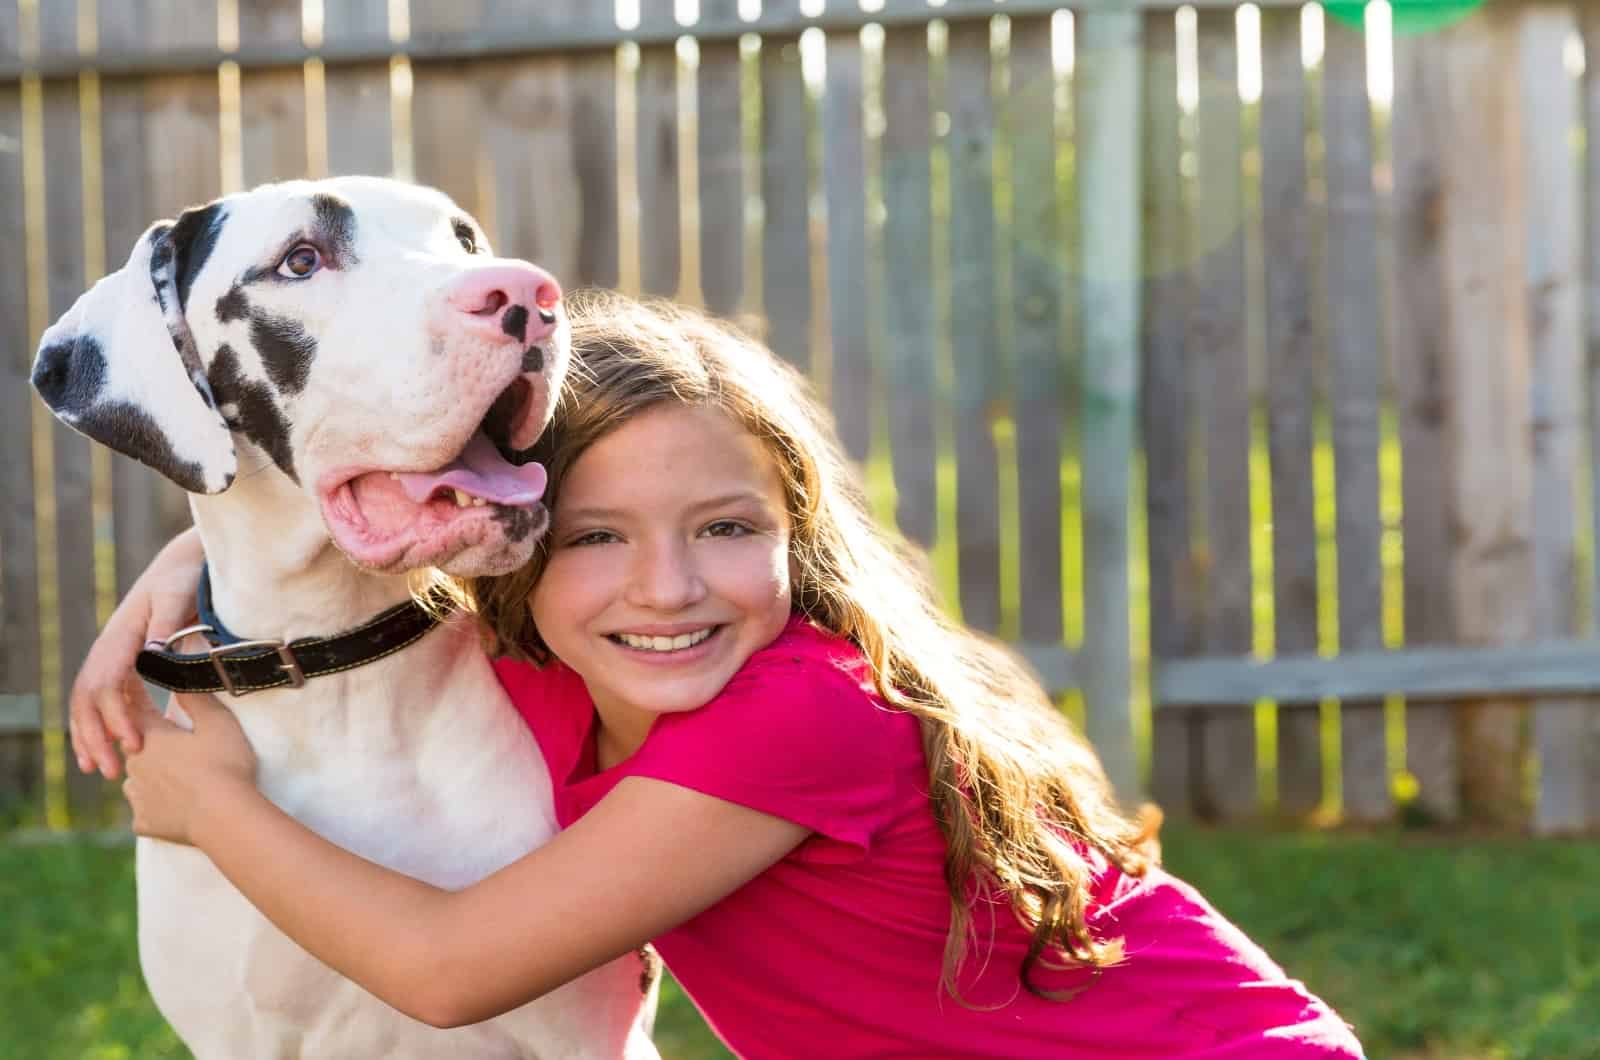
(678, 643)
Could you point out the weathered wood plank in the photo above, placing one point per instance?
(785, 238)
(591, 85)
(844, 177)
(1107, 81)
(1221, 365)
(1418, 362)
(1036, 270)
(1555, 667)
(21, 756)
(909, 346)
(357, 97)
(719, 96)
(272, 103)
(973, 336)
(656, 154)
(1173, 582)
(1549, 114)
(1356, 371)
(1589, 26)
(72, 487)
(1291, 394)
(1486, 319)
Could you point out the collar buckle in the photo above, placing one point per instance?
(287, 662)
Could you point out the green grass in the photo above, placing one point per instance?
(1434, 948)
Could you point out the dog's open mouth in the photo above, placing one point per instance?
(391, 520)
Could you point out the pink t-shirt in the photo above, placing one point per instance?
(836, 950)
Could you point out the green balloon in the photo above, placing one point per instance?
(1410, 16)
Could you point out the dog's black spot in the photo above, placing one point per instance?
(233, 305)
(533, 359)
(650, 969)
(193, 239)
(70, 375)
(521, 523)
(256, 414)
(515, 323)
(336, 223)
(130, 429)
(286, 348)
(160, 247)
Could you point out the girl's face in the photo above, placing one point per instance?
(669, 560)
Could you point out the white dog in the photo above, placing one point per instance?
(338, 371)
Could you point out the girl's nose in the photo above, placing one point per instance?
(664, 578)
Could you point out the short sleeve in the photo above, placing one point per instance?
(796, 737)
(555, 705)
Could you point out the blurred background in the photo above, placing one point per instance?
(1234, 361)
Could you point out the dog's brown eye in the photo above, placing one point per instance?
(300, 262)
(468, 241)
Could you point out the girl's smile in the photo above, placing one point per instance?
(668, 564)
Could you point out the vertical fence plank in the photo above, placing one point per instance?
(21, 756)
(1290, 394)
(1172, 597)
(591, 85)
(785, 243)
(908, 286)
(656, 151)
(357, 99)
(844, 176)
(719, 94)
(1108, 82)
(73, 485)
(1354, 316)
(1589, 26)
(1487, 385)
(1549, 114)
(446, 116)
(272, 103)
(972, 320)
(1217, 329)
(1037, 260)
(1418, 344)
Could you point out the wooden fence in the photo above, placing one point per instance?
(1213, 379)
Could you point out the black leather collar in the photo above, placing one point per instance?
(238, 666)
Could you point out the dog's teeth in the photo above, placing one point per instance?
(478, 502)
(395, 475)
(463, 499)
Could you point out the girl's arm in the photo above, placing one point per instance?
(107, 696)
(650, 856)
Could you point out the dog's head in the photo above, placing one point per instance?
(353, 335)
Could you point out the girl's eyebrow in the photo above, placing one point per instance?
(605, 515)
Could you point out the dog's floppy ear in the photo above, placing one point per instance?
(121, 366)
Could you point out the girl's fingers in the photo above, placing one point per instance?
(90, 743)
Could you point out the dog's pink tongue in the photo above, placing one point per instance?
(481, 471)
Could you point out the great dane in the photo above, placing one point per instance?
(343, 378)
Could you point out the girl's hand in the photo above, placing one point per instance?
(108, 699)
(175, 780)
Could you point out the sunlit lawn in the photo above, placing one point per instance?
(1444, 949)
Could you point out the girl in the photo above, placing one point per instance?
(851, 827)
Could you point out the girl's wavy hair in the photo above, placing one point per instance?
(1020, 797)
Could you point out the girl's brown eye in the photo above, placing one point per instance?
(300, 262)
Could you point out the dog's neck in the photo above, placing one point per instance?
(274, 571)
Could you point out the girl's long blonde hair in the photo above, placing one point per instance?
(1019, 795)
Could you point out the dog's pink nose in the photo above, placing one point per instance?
(511, 301)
